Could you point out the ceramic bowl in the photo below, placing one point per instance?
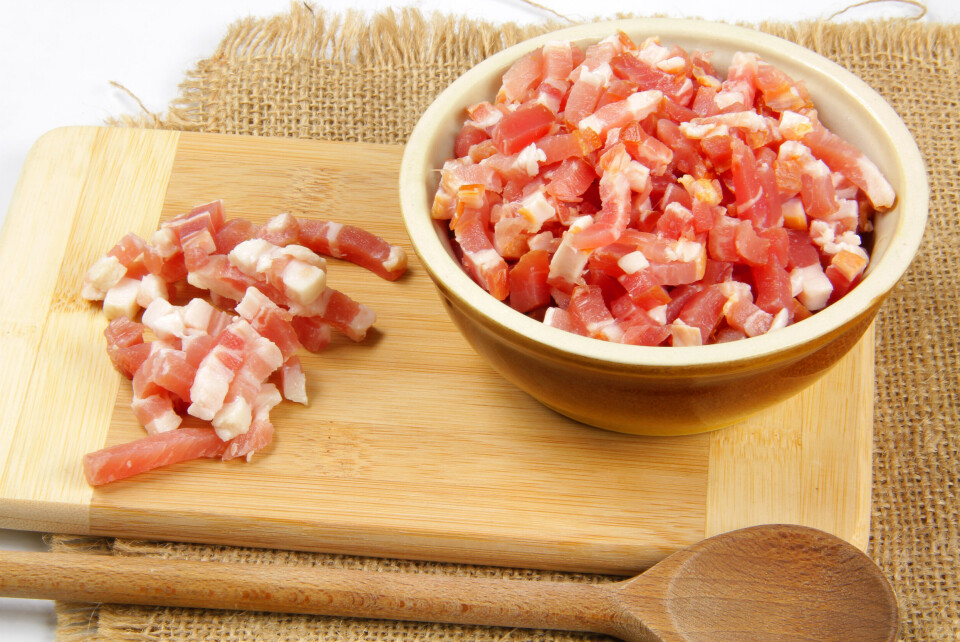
(670, 390)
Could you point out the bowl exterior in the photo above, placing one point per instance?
(666, 390)
(645, 400)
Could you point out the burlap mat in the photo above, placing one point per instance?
(320, 76)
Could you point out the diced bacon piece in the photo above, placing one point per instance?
(522, 76)
(270, 321)
(217, 370)
(621, 113)
(843, 157)
(234, 232)
(510, 235)
(485, 115)
(676, 222)
(528, 281)
(568, 262)
(748, 190)
(293, 381)
(174, 373)
(550, 94)
(774, 292)
(563, 320)
(479, 256)
(261, 430)
(646, 149)
(588, 307)
(682, 334)
(722, 240)
(739, 87)
(741, 312)
(585, 92)
(779, 91)
(522, 127)
(233, 418)
(571, 179)
(123, 332)
(643, 330)
(544, 241)
(558, 59)
(818, 196)
(469, 136)
(632, 66)
(128, 250)
(151, 452)
(794, 216)
(312, 332)
(845, 269)
(561, 146)
(196, 346)
(128, 359)
(164, 319)
(121, 299)
(102, 275)
(686, 152)
(602, 52)
(810, 285)
(151, 287)
(281, 230)
(704, 311)
(340, 311)
(170, 269)
(156, 414)
(753, 249)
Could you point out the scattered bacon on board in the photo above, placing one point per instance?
(269, 300)
(630, 193)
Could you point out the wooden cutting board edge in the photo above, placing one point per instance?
(27, 330)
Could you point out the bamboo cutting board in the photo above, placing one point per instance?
(411, 446)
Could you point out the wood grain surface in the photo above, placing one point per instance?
(411, 446)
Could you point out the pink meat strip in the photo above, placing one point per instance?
(354, 244)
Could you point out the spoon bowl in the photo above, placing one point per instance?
(759, 583)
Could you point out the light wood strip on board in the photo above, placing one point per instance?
(79, 194)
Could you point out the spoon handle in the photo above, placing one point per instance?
(317, 590)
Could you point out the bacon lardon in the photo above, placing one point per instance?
(353, 244)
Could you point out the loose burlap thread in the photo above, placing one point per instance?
(309, 74)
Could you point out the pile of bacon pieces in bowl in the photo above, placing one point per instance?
(268, 300)
(629, 192)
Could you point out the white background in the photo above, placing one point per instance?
(57, 58)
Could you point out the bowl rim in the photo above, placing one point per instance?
(454, 283)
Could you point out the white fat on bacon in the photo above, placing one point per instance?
(568, 263)
(810, 286)
(121, 299)
(102, 275)
(537, 210)
(633, 262)
(685, 335)
(825, 235)
(299, 271)
(151, 287)
(164, 319)
(293, 381)
(215, 373)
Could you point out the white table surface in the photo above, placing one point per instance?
(59, 56)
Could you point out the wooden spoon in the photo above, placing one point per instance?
(759, 583)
